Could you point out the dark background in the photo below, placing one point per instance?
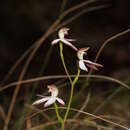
(23, 22)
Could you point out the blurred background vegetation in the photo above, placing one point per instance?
(23, 22)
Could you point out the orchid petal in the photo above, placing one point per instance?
(69, 44)
(82, 65)
(84, 49)
(92, 63)
(60, 101)
(92, 66)
(41, 100)
(50, 101)
(55, 41)
(70, 40)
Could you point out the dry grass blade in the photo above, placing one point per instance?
(107, 100)
(105, 43)
(79, 14)
(31, 107)
(17, 63)
(2, 113)
(78, 6)
(109, 40)
(28, 124)
(62, 77)
(78, 122)
(88, 114)
(83, 107)
(114, 118)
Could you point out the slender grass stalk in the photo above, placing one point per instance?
(63, 62)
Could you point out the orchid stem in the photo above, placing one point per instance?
(58, 116)
(71, 82)
(63, 62)
(71, 94)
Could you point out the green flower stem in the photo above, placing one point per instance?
(71, 94)
(57, 113)
(63, 126)
(58, 116)
(63, 62)
(72, 82)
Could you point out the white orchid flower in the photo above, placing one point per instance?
(50, 99)
(61, 34)
(83, 64)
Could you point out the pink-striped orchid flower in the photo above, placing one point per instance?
(84, 64)
(49, 99)
(61, 34)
